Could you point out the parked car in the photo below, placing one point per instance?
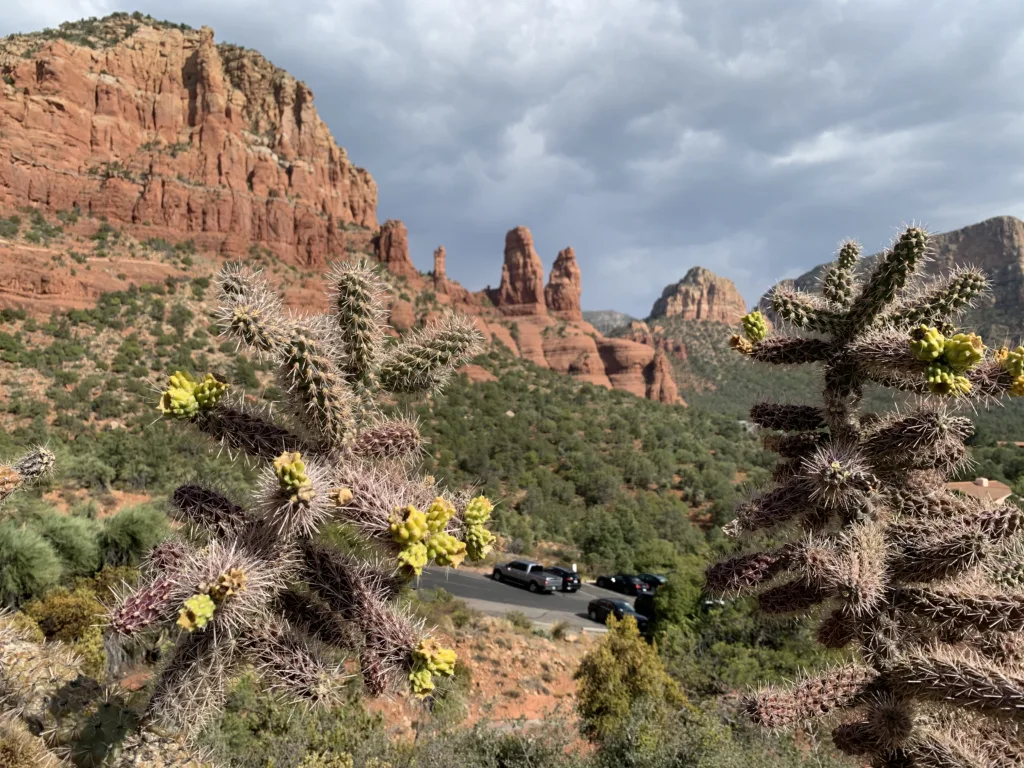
(653, 580)
(598, 610)
(624, 583)
(528, 574)
(570, 579)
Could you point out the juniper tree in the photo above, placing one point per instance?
(256, 584)
(915, 582)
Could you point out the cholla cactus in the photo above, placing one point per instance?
(254, 583)
(920, 584)
(31, 467)
(54, 715)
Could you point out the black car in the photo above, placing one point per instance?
(570, 579)
(624, 583)
(598, 610)
(653, 580)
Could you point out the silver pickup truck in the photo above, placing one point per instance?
(528, 574)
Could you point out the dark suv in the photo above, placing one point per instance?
(624, 583)
(598, 610)
(570, 579)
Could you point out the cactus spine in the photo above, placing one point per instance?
(904, 573)
(253, 582)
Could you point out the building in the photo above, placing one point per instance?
(983, 488)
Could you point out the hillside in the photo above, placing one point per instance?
(131, 147)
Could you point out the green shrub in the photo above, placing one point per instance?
(73, 617)
(622, 671)
(519, 620)
(75, 541)
(28, 564)
(131, 533)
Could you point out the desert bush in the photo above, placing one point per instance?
(622, 670)
(75, 540)
(28, 564)
(130, 534)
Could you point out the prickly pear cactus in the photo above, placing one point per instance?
(254, 583)
(922, 586)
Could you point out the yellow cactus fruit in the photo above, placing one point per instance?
(1014, 362)
(755, 326)
(413, 557)
(341, 496)
(927, 344)
(430, 655)
(209, 391)
(179, 401)
(438, 514)
(421, 683)
(445, 549)
(963, 351)
(1017, 390)
(741, 344)
(479, 542)
(228, 583)
(412, 526)
(291, 472)
(478, 511)
(942, 380)
(196, 613)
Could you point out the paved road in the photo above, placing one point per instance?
(496, 599)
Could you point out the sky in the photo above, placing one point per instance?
(750, 136)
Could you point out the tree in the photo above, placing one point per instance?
(623, 670)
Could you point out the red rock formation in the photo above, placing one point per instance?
(178, 138)
(522, 276)
(655, 337)
(660, 385)
(170, 136)
(701, 295)
(439, 274)
(562, 294)
(391, 248)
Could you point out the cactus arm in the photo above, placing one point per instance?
(790, 350)
(944, 301)
(890, 275)
(426, 359)
(358, 300)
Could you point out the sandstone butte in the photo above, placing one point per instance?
(158, 132)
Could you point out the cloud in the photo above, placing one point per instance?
(652, 135)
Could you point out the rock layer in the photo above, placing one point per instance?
(701, 295)
(177, 137)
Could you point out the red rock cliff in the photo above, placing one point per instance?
(175, 136)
